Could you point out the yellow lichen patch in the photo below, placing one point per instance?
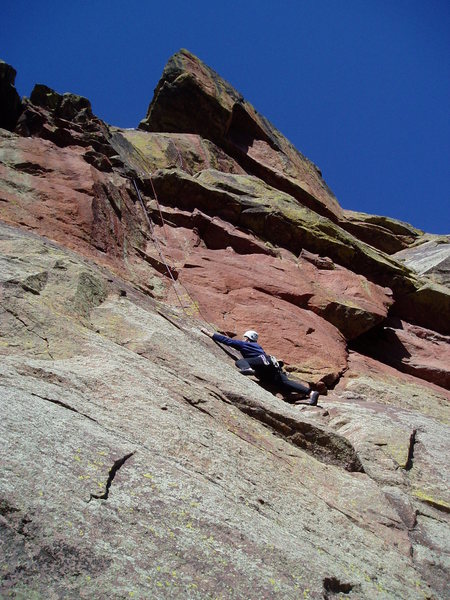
(429, 499)
(399, 452)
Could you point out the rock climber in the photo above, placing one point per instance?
(256, 362)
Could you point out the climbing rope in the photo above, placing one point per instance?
(193, 304)
(155, 241)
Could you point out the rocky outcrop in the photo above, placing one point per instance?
(66, 120)
(430, 258)
(410, 349)
(388, 235)
(192, 98)
(10, 103)
(137, 461)
(124, 425)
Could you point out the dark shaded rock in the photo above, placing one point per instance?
(66, 120)
(428, 305)
(384, 233)
(10, 103)
(98, 160)
(411, 349)
(65, 106)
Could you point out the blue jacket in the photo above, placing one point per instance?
(247, 349)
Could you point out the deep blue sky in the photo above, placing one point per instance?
(361, 87)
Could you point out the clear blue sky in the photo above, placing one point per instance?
(361, 87)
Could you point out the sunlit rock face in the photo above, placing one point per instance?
(136, 460)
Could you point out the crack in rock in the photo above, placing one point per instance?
(412, 442)
(332, 587)
(63, 405)
(31, 330)
(112, 473)
(195, 403)
(325, 445)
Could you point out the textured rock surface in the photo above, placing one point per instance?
(388, 235)
(139, 461)
(135, 460)
(411, 349)
(431, 258)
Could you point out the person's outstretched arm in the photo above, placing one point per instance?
(223, 339)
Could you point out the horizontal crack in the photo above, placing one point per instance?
(63, 405)
(324, 445)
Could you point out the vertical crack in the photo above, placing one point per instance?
(112, 473)
(412, 443)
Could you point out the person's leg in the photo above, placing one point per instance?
(295, 386)
(244, 367)
(251, 366)
(242, 364)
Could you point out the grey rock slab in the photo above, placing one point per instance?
(432, 258)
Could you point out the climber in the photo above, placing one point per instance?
(256, 362)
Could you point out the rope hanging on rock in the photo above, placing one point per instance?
(192, 302)
(155, 241)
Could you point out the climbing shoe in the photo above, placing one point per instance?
(247, 372)
(313, 398)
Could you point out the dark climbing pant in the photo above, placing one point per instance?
(271, 375)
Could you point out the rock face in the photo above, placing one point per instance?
(136, 460)
(430, 258)
(388, 235)
(192, 98)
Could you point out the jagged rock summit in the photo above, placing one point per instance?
(135, 460)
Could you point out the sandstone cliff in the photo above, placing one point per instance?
(136, 461)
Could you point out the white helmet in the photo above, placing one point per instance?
(251, 335)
